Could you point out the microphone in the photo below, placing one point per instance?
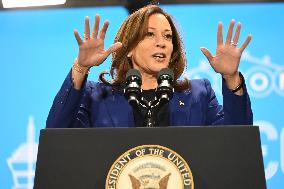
(132, 91)
(165, 89)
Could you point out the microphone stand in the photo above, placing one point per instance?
(151, 112)
(164, 93)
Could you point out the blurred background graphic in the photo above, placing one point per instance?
(37, 50)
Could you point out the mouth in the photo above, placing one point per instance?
(160, 57)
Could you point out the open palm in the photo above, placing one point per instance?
(228, 55)
(91, 50)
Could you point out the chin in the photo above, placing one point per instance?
(156, 67)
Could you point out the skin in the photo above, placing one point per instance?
(228, 55)
(92, 51)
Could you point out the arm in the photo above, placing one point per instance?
(65, 106)
(91, 50)
(70, 106)
(236, 110)
(228, 55)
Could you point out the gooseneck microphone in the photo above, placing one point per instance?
(165, 90)
(132, 91)
(163, 94)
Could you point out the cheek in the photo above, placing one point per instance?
(142, 53)
(171, 48)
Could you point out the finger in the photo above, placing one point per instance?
(114, 47)
(244, 45)
(87, 28)
(230, 31)
(220, 34)
(96, 26)
(78, 38)
(207, 53)
(103, 30)
(237, 33)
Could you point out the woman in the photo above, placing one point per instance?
(148, 41)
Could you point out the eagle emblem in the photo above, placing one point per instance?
(150, 167)
(147, 184)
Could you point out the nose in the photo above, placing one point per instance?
(160, 41)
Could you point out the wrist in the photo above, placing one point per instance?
(239, 87)
(234, 83)
(231, 77)
(84, 70)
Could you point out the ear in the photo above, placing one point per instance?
(130, 53)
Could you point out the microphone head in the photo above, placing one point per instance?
(133, 72)
(132, 90)
(165, 72)
(165, 89)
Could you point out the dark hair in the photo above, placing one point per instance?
(131, 33)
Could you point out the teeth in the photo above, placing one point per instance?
(159, 55)
(159, 59)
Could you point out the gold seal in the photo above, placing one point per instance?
(150, 167)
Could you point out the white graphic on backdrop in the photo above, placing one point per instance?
(262, 78)
(271, 134)
(23, 159)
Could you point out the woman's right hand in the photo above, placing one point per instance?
(91, 49)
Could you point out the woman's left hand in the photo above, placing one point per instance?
(228, 55)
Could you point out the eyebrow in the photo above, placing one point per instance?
(155, 28)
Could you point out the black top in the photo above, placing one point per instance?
(161, 116)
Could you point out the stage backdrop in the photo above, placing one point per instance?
(37, 50)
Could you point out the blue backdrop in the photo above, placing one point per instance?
(37, 50)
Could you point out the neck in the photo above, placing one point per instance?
(149, 81)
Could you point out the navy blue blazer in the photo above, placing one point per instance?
(98, 105)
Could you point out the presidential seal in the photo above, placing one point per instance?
(150, 167)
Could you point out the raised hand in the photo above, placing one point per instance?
(228, 55)
(91, 48)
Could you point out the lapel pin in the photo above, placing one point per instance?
(181, 103)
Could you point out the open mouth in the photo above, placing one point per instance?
(159, 56)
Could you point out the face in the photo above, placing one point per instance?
(154, 52)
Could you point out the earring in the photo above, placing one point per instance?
(129, 60)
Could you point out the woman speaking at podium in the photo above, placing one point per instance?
(148, 41)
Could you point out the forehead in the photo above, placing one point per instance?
(158, 21)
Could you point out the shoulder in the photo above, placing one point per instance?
(200, 86)
(200, 83)
(199, 89)
(100, 89)
(92, 85)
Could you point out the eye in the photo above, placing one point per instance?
(169, 36)
(149, 34)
